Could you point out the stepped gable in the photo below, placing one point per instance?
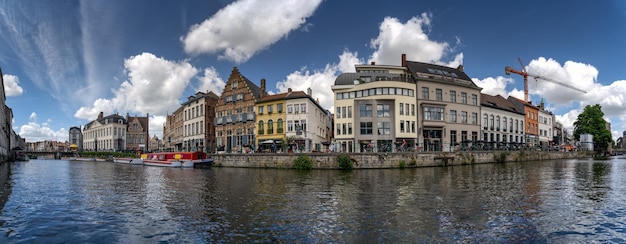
(236, 75)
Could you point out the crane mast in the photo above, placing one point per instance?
(508, 70)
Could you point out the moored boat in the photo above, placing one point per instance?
(175, 159)
(134, 161)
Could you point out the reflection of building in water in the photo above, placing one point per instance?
(5, 187)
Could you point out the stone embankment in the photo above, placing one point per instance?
(389, 160)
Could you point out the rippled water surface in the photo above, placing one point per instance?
(56, 201)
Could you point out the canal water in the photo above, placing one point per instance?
(564, 201)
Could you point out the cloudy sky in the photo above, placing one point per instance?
(65, 61)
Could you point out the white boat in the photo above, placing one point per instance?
(134, 161)
(163, 163)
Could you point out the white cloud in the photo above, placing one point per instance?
(156, 123)
(12, 85)
(33, 116)
(211, 81)
(494, 86)
(245, 27)
(34, 132)
(154, 86)
(396, 38)
(320, 81)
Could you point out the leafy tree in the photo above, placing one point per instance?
(590, 121)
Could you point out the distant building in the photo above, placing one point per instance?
(586, 142)
(235, 118)
(75, 138)
(198, 127)
(155, 144)
(502, 121)
(105, 133)
(137, 133)
(173, 131)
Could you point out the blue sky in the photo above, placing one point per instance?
(65, 61)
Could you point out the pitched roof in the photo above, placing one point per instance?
(444, 74)
(499, 102)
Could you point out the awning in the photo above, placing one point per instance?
(268, 142)
(73, 146)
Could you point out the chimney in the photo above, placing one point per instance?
(100, 115)
(309, 91)
(373, 63)
(262, 87)
(460, 68)
(403, 60)
(289, 90)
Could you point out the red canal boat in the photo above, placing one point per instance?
(175, 159)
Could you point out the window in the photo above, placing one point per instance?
(438, 94)
(412, 109)
(233, 85)
(511, 125)
(463, 97)
(365, 110)
(366, 128)
(349, 128)
(425, 93)
(504, 123)
(296, 108)
(384, 128)
(464, 117)
(401, 125)
(491, 122)
(433, 113)
(279, 107)
(343, 128)
(498, 123)
(338, 112)
(270, 109)
(261, 130)
(382, 110)
(474, 118)
(303, 107)
(474, 99)
(289, 108)
(453, 96)
(260, 109)
(453, 116)
(338, 128)
(349, 111)
(279, 126)
(453, 137)
(270, 127)
(343, 112)
(401, 109)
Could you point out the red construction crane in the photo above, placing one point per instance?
(508, 70)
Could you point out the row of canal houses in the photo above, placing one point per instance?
(427, 107)
(10, 142)
(417, 106)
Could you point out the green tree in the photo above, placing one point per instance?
(590, 121)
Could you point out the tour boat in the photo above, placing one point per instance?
(135, 161)
(175, 159)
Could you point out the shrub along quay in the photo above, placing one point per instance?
(383, 160)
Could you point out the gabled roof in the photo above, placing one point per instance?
(499, 102)
(521, 103)
(113, 118)
(446, 74)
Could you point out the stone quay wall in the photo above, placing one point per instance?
(388, 160)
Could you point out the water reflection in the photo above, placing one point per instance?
(550, 201)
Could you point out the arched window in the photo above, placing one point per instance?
(279, 126)
(498, 123)
(485, 121)
(261, 129)
(270, 127)
(504, 124)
